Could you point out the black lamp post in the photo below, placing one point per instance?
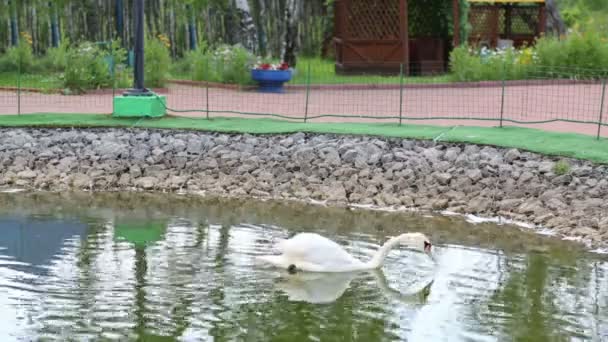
(138, 71)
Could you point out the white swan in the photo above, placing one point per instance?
(312, 252)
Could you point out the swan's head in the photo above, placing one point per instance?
(418, 242)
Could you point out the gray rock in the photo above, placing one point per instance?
(433, 155)
(304, 155)
(27, 174)
(525, 177)
(512, 155)
(111, 150)
(330, 155)
(474, 175)
(443, 178)
(562, 180)
(509, 205)
(443, 166)
(81, 181)
(147, 183)
(452, 154)
(335, 193)
(439, 204)
(478, 205)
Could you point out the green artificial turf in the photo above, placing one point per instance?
(545, 142)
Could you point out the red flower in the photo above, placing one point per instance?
(265, 66)
(284, 66)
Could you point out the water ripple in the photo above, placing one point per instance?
(198, 280)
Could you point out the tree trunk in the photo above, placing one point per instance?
(248, 34)
(555, 23)
(259, 11)
(172, 30)
(290, 42)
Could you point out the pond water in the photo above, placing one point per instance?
(120, 266)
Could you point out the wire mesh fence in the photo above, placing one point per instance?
(543, 97)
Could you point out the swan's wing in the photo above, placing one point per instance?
(315, 249)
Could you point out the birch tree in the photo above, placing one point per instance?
(290, 43)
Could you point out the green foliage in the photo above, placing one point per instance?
(585, 15)
(562, 167)
(19, 57)
(55, 58)
(586, 50)
(227, 64)
(186, 66)
(86, 68)
(157, 62)
(579, 55)
(122, 74)
(468, 64)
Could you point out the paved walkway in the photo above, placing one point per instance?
(455, 105)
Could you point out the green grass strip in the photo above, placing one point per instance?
(550, 143)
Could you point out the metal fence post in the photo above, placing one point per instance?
(502, 95)
(400, 93)
(599, 123)
(307, 92)
(113, 63)
(207, 88)
(19, 86)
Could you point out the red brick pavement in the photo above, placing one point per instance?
(455, 105)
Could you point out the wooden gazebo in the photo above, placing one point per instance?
(374, 36)
(378, 36)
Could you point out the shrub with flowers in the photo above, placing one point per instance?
(469, 64)
(86, 68)
(226, 64)
(579, 55)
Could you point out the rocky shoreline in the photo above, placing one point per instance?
(566, 195)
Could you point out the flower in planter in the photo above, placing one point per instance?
(268, 66)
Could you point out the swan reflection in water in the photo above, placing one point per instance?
(324, 288)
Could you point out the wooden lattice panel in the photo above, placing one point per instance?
(524, 20)
(373, 19)
(482, 20)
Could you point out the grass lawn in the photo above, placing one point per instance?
(38, 81)
(322, 71)
(549, 143)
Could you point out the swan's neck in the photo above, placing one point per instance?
(378, 259)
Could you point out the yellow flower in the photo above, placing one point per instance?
(165, 40)
(27, 37)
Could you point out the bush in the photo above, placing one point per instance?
(575, 56)
(56, 58)
(562, 167)
(184, 67)
(467, 64)
(227, 64)
(86, 68)
(157, 62)
(19, 57)
(122, 74)
(580, 55)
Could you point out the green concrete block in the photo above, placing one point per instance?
(140, 106)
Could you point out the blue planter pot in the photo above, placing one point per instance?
(271, 81)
